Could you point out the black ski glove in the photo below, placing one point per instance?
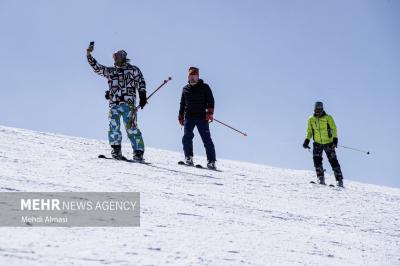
(335, 142)
(305, 144)
(142, 99)
(107, 95)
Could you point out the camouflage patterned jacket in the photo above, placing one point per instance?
(122, 81)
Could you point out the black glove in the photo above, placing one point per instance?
(305, 144)
(107, 95)
(335, 142)
(142, 98)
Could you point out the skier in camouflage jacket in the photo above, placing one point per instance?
(123, 81)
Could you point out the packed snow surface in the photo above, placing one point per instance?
(248, 214)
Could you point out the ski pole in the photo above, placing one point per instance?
(133, 112)
(367, 152)
(222, 123)
(159, 87)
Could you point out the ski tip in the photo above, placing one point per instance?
(142, 162)
(101, 156)
(316, 183)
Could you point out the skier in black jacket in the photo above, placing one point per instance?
(196, 110)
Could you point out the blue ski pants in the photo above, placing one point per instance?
(204, 131)
(129, 118)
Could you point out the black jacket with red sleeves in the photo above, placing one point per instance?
(196, 99)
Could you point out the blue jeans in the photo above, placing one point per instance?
(204, 131)
(128, 114)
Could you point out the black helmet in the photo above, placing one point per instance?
(120, 55)
(318, 108)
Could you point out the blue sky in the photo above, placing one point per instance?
(266, 61)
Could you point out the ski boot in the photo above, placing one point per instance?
(211, 165)
(339, 183)
(189, 160)
(116, 152)
(138, 156)
(321, 180)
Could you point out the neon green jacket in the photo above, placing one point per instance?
(322, 129)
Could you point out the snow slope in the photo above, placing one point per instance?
(247, 215)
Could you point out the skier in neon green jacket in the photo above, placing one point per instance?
(322, 128)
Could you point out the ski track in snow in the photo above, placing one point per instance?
(246, 215)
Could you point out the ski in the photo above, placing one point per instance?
(190, 165)
(102, 156)
(315, 183)
(330, 185)
(199, 166)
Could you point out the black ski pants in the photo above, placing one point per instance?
(331, 154)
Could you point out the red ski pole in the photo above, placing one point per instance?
(222, 123)
(133, 113)
(159, 87)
